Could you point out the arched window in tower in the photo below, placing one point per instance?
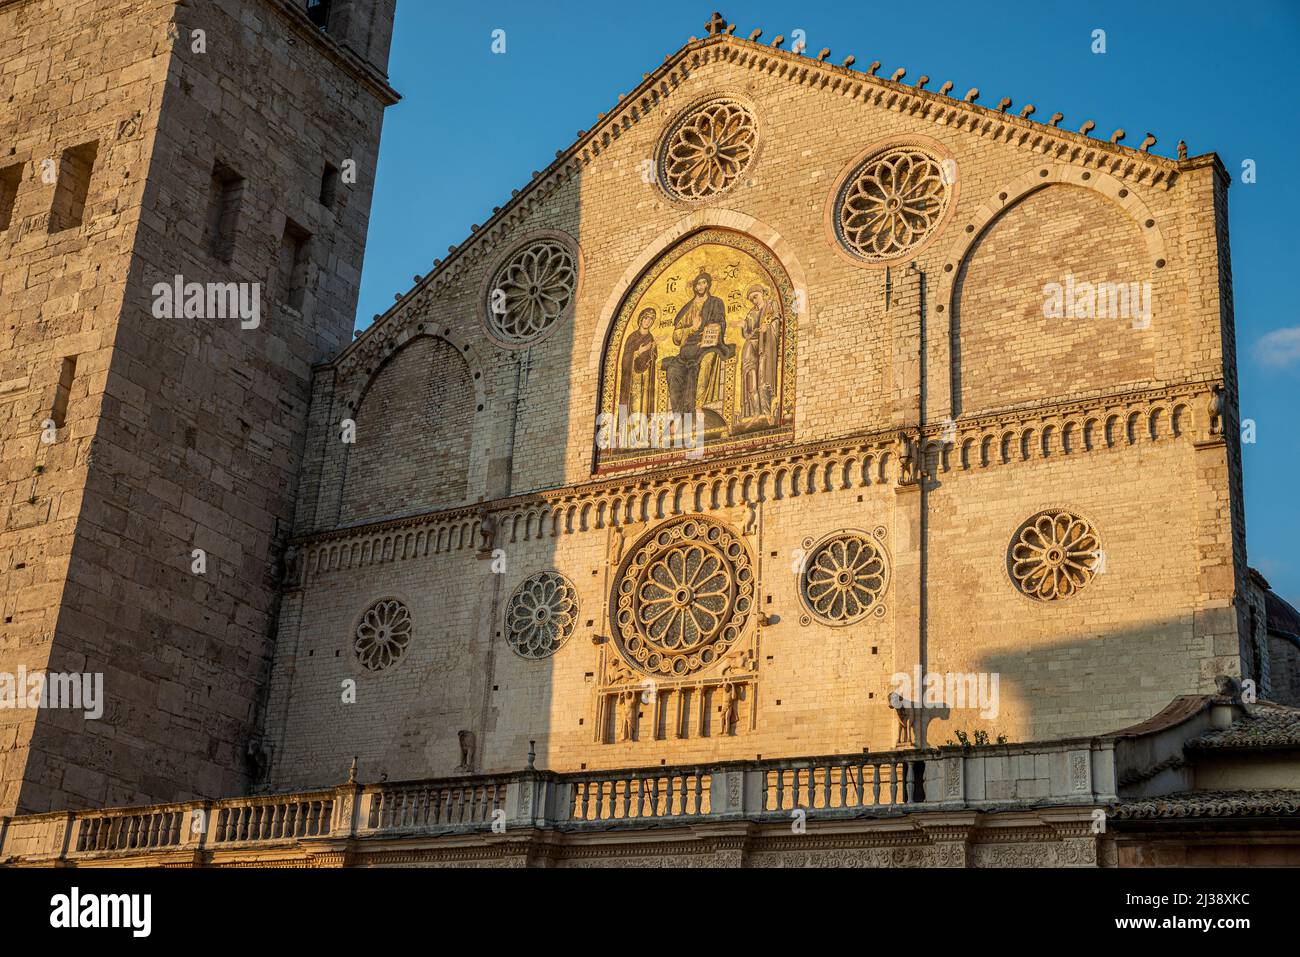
(318, 11)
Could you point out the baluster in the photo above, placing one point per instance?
(826, 786)
(654, 796)
(907, 782)
(780, 790)
(893, 782)
(682, 797)
(586, 799)
(844, 785)
(875, 785)
(797, 790)
(699, 794)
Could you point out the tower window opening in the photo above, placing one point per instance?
(73, 187)
(318, 11)
(329, 186)
(10, 177)
(295, 258)
(62, 392)
(225, 198)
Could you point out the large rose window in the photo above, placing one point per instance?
(708, 149)
(1054, 555)
(891, 204)
(682, 597)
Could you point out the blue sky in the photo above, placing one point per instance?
(1224, 77)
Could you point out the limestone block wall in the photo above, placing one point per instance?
(193, 426)
(72, 75)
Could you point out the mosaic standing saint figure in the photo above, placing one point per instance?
(758, 357)
(695, 374)
(637, 366)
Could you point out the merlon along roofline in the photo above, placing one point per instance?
(1126, 162)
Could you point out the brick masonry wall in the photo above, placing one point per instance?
(1154, 625)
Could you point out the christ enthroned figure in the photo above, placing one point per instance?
(696, 374)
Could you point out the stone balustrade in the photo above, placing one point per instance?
(1076, 773)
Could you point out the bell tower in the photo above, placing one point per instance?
(185, 191)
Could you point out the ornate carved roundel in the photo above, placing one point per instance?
(844, 578)
(541, 615)
(531, 291)
(707, 149)
(682, 597)
(1053, 555)
(383, 634)
(891, 203)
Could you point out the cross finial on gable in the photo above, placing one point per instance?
(717, 24)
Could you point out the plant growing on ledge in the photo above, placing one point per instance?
(981, 739)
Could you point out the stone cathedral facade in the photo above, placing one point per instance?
(787, 378)
(752, 399)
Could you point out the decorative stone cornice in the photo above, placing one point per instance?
(852, 462)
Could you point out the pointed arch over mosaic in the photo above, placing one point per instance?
(701, 355)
